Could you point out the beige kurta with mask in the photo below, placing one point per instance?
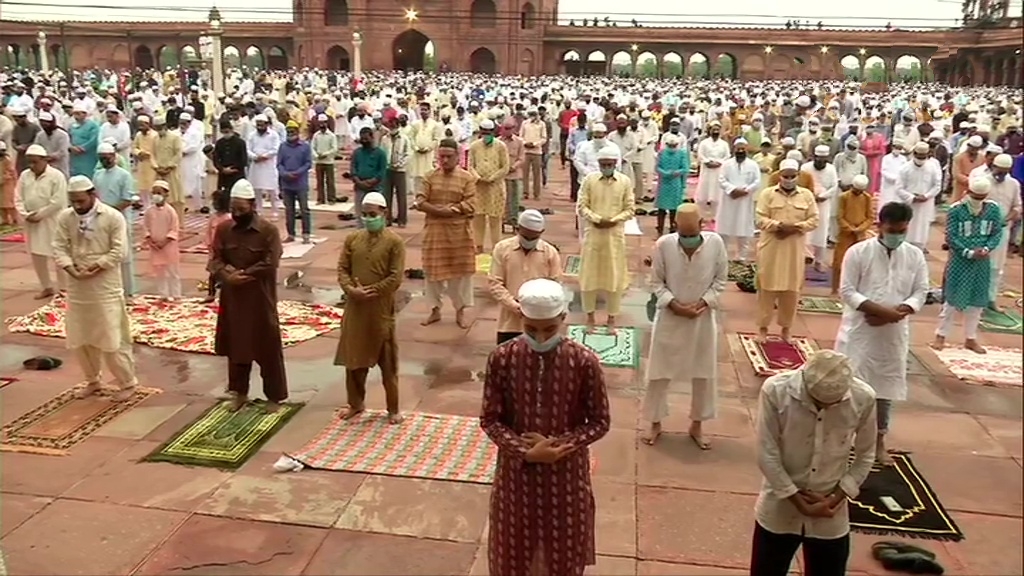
(45, 196)
(96, 314)
(424, 135)
(490, 163)
(603, 259)
(167, 154)
(145, 175)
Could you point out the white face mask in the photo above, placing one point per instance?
(919, 161)
(975, 204)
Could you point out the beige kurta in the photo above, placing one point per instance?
(96, 314)
(491, 165)
(780, 261)
(143, 148)
(167, 154)
(44, 196)
(424, 135)
(603, 257)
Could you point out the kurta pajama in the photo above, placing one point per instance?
(43, 196)
(873, 148)
(490, 163)
(966, 280)
(855, 218)
(57, 145)
(449, 255)
(709, 187)
(673, 167)
(780, 261)
(161, 223)
(87, 136)
(603, 266)
(924, 181)
(734, 217)
(114, 186)
(167, 156)
(144, 144)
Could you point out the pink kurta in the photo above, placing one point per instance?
(160, 223)
(873, 148)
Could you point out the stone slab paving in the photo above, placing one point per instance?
(665, 510)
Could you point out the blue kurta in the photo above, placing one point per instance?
(86, 135)
(113, 187)
(966, 280)
(672, 188)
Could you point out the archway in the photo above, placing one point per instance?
(144, 57)
(672, 65)
(232, 57)
(622, 63)
(13, 56)
(647, 65)
(483, 61)
(874, 69)
(336, 13)
(596, 64)
(572, 63)
(254, 58)
(909, 69)
(277, 59)
(409, 50)
(167, 57)
(338, 59)
(57, 57)
(726, 66)
(189, 55)
(849, 66)
(698, 66)
(528, 17)
(483, 14)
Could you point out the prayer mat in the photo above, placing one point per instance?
(64, 421)
(738, 271)
(619, 350)
(896, 501)
(5, 381)
(435, 446)
(572, 265)
(1005, 322)
(819, 305)
(188, 325)
(13, 237)
(999, 367)
(8, 229)
(295, 250)
(224, 439)
(483, 263)
(815, 278)
(775, 355)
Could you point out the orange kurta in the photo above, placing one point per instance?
(855, 217)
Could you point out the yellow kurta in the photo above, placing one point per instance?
(96, 313)
(490, 164)
(145, 176)
(855, 218)
(424, 135)
(603, 257)
(167, 154)
(765, 162)
(780, 261)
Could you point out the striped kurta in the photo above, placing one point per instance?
(448, 248)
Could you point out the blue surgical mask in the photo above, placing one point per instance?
(528, 244)
(541, 347)
(607, 172)
(892, 241)
(374, 223)
(690, 241)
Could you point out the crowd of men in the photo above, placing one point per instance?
(785, 172)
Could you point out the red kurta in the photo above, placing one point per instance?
(543, 511)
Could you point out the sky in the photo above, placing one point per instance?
(920, 14)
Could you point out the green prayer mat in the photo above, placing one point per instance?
(913, 509)
(739, 271)
(1006, 322)
(224, 439)
(819, 305)
(619, 350)
(572, 265)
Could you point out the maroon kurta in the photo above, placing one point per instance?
(543, 509)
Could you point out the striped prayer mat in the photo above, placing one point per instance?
(618, 350)
(999, 367)
(819, 305)
(776, 355)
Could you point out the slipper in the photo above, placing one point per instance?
(415, 274)
(42, 363)
(640, 212)
(702, 444)
(901, 557)
(547, 211)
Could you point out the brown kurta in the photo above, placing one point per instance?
(369, 260)
(855, 218)
(448, 247)
(962, 166)
(490, 164)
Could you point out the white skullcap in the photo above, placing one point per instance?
(36, 150)
(827, 376)
(260, 118)
(921, 148)
(935, 136)
(3, 146)
(143, 119)
(980, 185)
(789, 164)
(994, 149)
(321, 117)
(185, 117)
(46, 117)
(975, 141)
(821, 150)
(159, 121)
(541, 299)
(788, 141)
(860, 182)
(531, 220)
(487, 125)
(599, 127)
(897, 143)
(645, 114)
(18, 111)
(739, 142)
(795, 155)
(672, 140)
(79, 184)
(984, 129)
(608, 153)
(78, 107)
(852, 143)
(269, 113)
(1003, 161)
(375, 199)
(243, 189)
(106, 148)
(803, 101)
(162, 184)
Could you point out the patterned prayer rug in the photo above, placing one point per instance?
(483, 264)
(572, 265)
(619, 350)
(64, 421)
(1005, 322)
(4, 381)
(8, 229)
(13, 237)
(224, 439)
(738, 271)
(819, 305)
(188, 325)
(815, 278)
(775, 355)
(435, 446)
(896, 501)
(999, 367)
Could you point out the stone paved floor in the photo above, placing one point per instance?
(668, 510)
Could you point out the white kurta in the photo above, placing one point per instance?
(1007, 195)
(193, 162)
(648, 133)
(44, 196)
(826, 185)
(887, 190)
(585, 157)
(735, 216)
(96, 314)
(924, 181)
(263, 175)
(709, 187)
(686, 348)
(879, 353)
(121, 134)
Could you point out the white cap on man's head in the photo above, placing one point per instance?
(922, 148)
(542, 299)
(822, 150)
(608, 153)
(531, 220)
(1003, 161)
(106, 148)
(36, 150)
(980, 185)
(789, 164)
(80, 184)
(243, 189)
(827, 376)
(860, 182)
(46, 117)
(975, 142)
(375, 199)
(161, 184)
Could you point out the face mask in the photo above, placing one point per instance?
(892, 241)
(243, 219)
(999, 177)
(528, 244)
(787, 185)
(975, 204)
(373, 223)
(158, 199)
(851, 152)
(607, 172)
(293, 137)
(488, 139)
(544, 346)
(690, 241)
(918, 161)
(599, 142)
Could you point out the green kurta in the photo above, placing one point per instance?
(966, 282)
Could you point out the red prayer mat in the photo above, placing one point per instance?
(775, 355)
(188, 325)
(999, 367)
(13, 237)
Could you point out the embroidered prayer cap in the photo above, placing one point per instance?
(160, 121)
(975, 142)
(803, 101)
(162, 184)
(921, 148)
(994, 149)
(821, 150)
(18, 111)
(106, 148)
(531, 220)
(541, 299)
(185, 117)
(935, 136)
(789, 164)
(79, 184)
(243, 189)
(827, 376)
(1003, 161)
(788, 141)
(375, 199)
(36, 150)
(739, 142)
(46, 117)
(292, 125)
(608, 153)
(980, 185)
(487, 125)
(860, 182)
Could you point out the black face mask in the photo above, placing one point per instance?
(107, 162)
(403, 122)
(714, 134)
(243, 219)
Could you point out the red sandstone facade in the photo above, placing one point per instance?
(514, 37)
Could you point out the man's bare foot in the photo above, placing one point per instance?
(434, 318)
(651, 436)
(209, 299)
(973, 346)
(591, 324)
(349, 413)
(696, 433)
(395, 418)
(238, 402)
(786, 336)
(995, 307)
(47, 293)
(87, 389)
(882, 455)
(123, 395)
(271, 407)
(762, 335)
(228, 395)
(609, 325)
(460, 318)
(939, 343)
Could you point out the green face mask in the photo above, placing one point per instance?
(373, 223)
(489, 139)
